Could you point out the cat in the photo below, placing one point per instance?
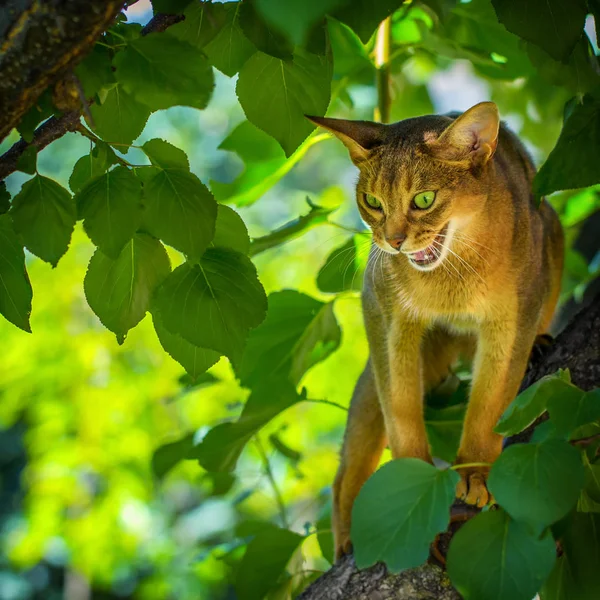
(466, 263)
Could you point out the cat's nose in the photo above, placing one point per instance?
(396, 240)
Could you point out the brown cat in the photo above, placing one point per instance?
(468, 264)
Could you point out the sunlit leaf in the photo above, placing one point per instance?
(230, 231)
(165, 155)
(92, 165)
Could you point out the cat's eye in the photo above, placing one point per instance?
(372, 202)
(424, 200)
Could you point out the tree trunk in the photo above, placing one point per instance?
(576, 348)
(41, 41)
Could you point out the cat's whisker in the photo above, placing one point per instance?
(465, 242)
(465, 263)
(460, 275)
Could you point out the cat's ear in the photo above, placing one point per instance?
(358, 136)
(472, 136)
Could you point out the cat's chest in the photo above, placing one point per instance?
(458, 305)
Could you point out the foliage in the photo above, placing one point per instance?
(210, 251)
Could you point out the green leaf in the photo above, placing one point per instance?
(180, 211)
(444, 428)
(317, 342)
(492, 557)
(325, 534)
(572, 410)
(295, 18)
(344, 269)
(203, 21)
(111, 209)
(592, 481)
(259, 31)
(165, 457)
(230, 48)
(4, 198)
(398, 513)
(95, 71)
(230, 231)
(193, 359)
(317, 215)
(537, 483)
(265, 164)
(119, 290)
(44, 216)
(264, 562)
(27, 162)
(571, 163)
(165, 155)
(161, 71)
(575, 575)
(223, 444)
(363, 16)
(531, 403)
(553, 25)
(289, 90)
(15, 289)
(298, 331)
(92, 165)
(120, 118)
(39, 112)
(215, 303)
(350, 57)
(170, 7)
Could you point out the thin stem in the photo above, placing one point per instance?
(328, 402)
(85, 132)
(273, 482)
(382, 63)
(470, 465)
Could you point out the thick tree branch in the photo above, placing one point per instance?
(56, 127)
(41, 41)
(576, 348)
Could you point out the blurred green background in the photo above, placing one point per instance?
(82, 514)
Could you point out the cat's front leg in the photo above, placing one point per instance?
(500, 362)
(402, 400)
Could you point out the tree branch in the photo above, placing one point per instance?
(41, 41)
(576, 348)
(56, 127)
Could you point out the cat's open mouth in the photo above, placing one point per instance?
(433, 253)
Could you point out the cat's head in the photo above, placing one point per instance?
(421, 179)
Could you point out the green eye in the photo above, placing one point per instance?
(424, 200)
(372, 201)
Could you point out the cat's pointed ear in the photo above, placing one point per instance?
(358, 136)
(472, 136)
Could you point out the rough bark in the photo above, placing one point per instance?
(56, 127)
(576, 348)
(42, 40)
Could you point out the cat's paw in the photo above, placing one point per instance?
(343, 547)
(472, 488)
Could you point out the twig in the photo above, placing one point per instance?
(276, 490)
(586, 441)
(382, 63)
